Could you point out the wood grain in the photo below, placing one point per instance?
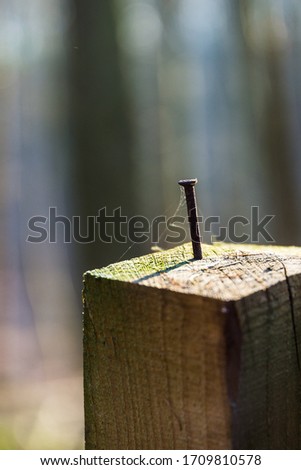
(183, 354)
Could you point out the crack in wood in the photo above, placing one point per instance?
(292, 310)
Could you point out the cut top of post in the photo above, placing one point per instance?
(227, 272)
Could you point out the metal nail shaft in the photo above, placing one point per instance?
(188, 185)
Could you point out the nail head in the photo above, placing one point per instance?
(189, 182)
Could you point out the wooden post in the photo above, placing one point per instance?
(204, 354)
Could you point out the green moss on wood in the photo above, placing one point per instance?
(136, 268)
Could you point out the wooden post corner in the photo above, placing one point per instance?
(194, 354)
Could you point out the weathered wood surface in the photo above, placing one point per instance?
(183, 354)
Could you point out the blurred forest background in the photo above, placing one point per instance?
(109, 103)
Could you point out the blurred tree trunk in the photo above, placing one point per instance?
(266, 54)
(102, 153)
(277, 142)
